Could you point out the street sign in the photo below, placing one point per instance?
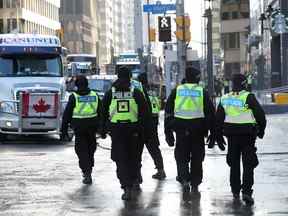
(158, 8)
(164, 25)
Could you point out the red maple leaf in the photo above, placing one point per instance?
(41, 107)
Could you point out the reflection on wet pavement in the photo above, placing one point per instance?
(40, 180)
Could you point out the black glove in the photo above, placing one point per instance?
(103, 135)
(64, 136)
(169, 138)
(211, 141)
(221, 143)
(261, 134)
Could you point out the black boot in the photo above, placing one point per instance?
(186, 191)
(87, 178)
(127, 195)
(160, 175)
(248, 199)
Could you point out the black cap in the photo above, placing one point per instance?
(239, 82)
(124, 73)
(192, 74)
(81, 82)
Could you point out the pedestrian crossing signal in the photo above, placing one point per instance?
(164, 26)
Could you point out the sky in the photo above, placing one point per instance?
(193, 7)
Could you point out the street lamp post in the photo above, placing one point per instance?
(261, 62)
(209, 16)
(181, 44)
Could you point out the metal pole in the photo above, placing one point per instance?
(261, 67)
(208, 14)
(149, 72)
(181, 45)
(284, 47)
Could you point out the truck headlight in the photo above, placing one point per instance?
(7, 107)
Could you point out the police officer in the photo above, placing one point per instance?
(153, 144)
(241, 119)
(190, 113)
(83, 111)
(126, 110)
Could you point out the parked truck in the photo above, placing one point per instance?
(32, 89)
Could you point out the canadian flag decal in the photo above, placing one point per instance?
(41, 106)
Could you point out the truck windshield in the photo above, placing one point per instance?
(19, 66)
(100, 85)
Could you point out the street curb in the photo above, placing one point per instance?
(275, 109)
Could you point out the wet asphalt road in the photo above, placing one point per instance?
(44, 179)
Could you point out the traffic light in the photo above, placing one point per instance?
(164, 26)
(183, 28)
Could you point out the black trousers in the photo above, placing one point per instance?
(85, 147)
(189, 155)
(126, 153)
(154, 144)
(242, 146)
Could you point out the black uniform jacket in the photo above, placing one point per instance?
(144, 113)
(200, 126)
(229, 129)
(81, 124)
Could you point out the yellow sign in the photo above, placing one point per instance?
(152, 34)
(183, 25)
(183, 21)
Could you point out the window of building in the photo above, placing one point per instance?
(230, 1)
(231, 40)
(8, 3)
(245, 15)
(235, 15)
(225, 16)
(234, 40)
(14, 24)
(14, 3)
(1, 26)
(1, 4)
(79, 7)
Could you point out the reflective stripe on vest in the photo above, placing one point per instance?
(123, 107)
(155, 104)
(236, 109)
(189, 102)
(85, 106)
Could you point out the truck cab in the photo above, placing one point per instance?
(32, 90)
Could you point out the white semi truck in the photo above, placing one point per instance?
(32, 87)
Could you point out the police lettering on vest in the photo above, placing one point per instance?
(85, 106)
(123, 107)
(236, 109)
(189, 102)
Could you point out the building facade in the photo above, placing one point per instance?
(80, 24)
(271, 46)
(29, 16)
(234, 34)
(216, 36)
